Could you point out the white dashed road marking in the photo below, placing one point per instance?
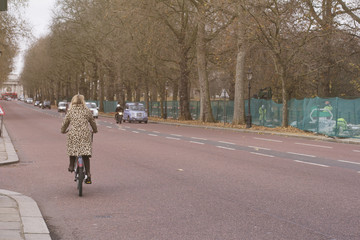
(226, 142)
(199, 138)
(261, 154)
(315, 164)
(232, 149)
(153, 135)
(267, 139)
(176, 135)
(261, 148)
(172, 138)
(301, 154)
(197, 142)
(344, 161)
(313, 145)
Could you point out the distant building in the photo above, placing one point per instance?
(12, 85)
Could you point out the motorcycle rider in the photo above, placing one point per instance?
(117, 110)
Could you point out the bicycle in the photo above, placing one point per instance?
(80, 173)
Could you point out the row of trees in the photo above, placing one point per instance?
(127, 50)
(12, 29)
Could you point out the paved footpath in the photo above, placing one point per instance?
(20, 217)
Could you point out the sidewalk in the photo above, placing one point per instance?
(20, 217)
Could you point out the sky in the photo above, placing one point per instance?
(38, 15)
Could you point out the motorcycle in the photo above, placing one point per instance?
(119, 117)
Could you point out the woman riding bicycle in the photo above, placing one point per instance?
(79, 138)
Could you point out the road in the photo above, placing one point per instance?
(155, 181)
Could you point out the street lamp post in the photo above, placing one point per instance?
(249, 75)
(166, 90)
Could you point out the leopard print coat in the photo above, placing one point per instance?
(79, 140)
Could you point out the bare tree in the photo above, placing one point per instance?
(279, 30)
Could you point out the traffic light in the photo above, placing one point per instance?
(3, 5)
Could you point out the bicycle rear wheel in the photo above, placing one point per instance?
(80, 180)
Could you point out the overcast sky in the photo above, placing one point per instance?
(38, 14)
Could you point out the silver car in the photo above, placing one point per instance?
(62, 106)
(135, 111)
(93, 108)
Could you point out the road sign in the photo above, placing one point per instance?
(1, 111)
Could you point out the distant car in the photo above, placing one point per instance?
(36, 103)
(46, 104)
(62, 106)
(29, 100)
(93, 108)
(135, 111)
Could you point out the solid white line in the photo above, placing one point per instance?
(135, 132)
(197, 142)
(344, 161)
(173, 138)
(153, 135)
(176, 135)
(199, 138)
(316, 164)
(226, 148)
(300, 154)
(226, 142)
(267, 139)
(261, 148)
(313, 145)
(261, 154)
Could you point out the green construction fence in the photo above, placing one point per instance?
(340, 117)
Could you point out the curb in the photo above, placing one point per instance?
(320, 137)
(34, 226)
(12, 156)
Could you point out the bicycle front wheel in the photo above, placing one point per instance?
(80, 180)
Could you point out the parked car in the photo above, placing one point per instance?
(46, 104)
(36, 103)
(135, 111)
(29, 100)
(93, 108)
(62, 106)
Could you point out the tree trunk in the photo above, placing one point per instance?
(285, 112)
(102, 90)
(184, 85)
(205, 103)
(239, 102)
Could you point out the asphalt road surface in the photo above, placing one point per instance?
(163, 182)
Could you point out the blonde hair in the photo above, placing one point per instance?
(77, 100)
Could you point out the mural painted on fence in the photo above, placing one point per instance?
(332, 116)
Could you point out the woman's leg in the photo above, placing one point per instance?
(87, 169)
(87, 165)
(72, 163)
